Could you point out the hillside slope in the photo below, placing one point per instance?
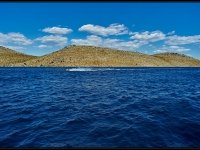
(174, 59)
(90, 56)
(9, 57)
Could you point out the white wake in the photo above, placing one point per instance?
(91, 69)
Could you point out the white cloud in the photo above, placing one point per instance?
(178, 49)
(14, 38)
(91, 40)
(123, 45)
(53, 40)
(182, 40)
(94, 40)
(113, 29)
(3, 38)
(148, 36)
(57, 30)
(42, 46)
(171, 33)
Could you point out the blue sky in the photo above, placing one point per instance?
(41, 28)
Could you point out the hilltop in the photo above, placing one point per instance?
(91, 56)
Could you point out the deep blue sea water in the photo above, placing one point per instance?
(127, 107)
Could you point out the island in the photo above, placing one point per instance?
(91, 56)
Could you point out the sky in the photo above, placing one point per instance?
(41, 28)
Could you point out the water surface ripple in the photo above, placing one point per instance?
(129, 107)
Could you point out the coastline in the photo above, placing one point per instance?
(99, 67)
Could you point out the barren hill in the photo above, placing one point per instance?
(90, 56)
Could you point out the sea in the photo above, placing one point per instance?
(99, 107)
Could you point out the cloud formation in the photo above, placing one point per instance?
(91, 40)
(148, 36)
(57, 30)
(113, 29)
(94, 40)
(172, 48)
(42, 46)
(182, 40)
(103, 37)
(53, 40)
(171, 33)
(14, 38)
